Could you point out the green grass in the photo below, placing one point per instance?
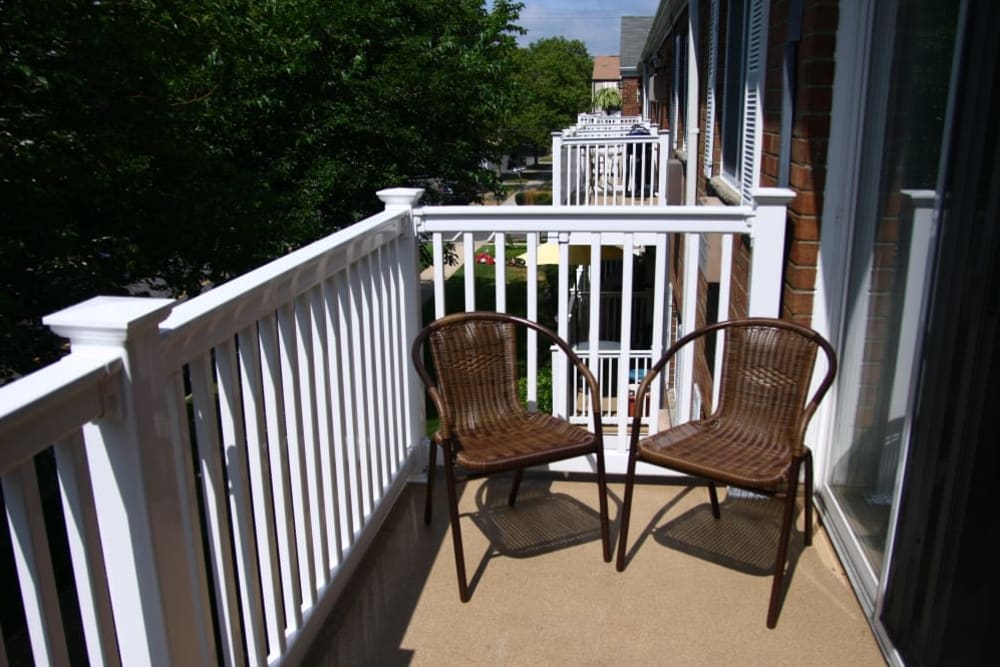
(485, 289)
(517, 304)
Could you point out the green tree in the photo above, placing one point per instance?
(172, 144)
(552, 87)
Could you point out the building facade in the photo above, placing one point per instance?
(634, 30)
(875, 115)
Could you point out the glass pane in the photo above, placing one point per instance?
(732, 92)
(908, 92)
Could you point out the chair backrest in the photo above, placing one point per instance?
(475, 379)
(767, 367)
(475, 361)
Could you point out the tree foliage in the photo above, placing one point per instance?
(176, 143)
(552, 87)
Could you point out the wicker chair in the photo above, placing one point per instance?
(484, 427)
(754, 439)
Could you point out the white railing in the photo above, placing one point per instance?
(599, 119)
(223, 463)
(612, 170)
(627, 230)
(612, 403)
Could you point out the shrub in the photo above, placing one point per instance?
(528, 197)
(544, 403)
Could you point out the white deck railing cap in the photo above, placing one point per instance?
(105, 320)
(400, 197)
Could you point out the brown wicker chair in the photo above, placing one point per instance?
(484, 427)
(754, 439)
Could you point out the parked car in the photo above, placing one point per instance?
(444, 192)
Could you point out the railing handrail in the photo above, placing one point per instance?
(560, 219)
(600, 119)
(192, 323)
(43, 407)
(602, 138)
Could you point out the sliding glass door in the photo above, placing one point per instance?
(887, 273)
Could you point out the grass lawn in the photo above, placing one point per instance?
(485, 289)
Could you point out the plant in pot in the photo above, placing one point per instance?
(608, 99)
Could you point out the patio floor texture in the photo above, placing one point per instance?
(694, 591)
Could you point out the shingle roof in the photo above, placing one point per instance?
(606, 68)
(633, 39)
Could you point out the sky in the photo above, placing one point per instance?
(596, 23)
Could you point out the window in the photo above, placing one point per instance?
(734, 80)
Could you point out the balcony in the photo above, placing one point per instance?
(610, 161)
(224, 465)
(693, 593)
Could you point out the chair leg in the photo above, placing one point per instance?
(808, 462)
(786, 529)
(713, 495)
(626, 512)
(602, 502)
(431, 474)
(456, 531)
(512, 498)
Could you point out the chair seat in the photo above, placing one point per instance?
(721, 450)
(528, 439)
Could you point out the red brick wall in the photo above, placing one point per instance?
(630, 97)
(810, 138)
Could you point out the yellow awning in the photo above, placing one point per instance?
(548, 253)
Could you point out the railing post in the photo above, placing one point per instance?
(557, 169)
(661, 169)
(560, 367)
(403, 200)
(161, 615)
(768, 237)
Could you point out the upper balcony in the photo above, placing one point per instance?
(224, 463)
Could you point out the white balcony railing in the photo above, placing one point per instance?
(628, 229)
(223, 463)
(584, 120)
(609, 168)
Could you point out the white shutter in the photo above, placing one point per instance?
(674, 92)
(713, 56)
(753, 112)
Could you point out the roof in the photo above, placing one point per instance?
(633, 39)
(666, 15)
(606, 68)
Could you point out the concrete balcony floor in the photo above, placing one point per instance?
(694, 591)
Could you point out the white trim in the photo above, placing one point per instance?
(691, 112)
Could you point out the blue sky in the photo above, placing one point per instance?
(594, 22)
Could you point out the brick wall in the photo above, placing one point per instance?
(810, 139)
(808, 153)
(630, 97)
